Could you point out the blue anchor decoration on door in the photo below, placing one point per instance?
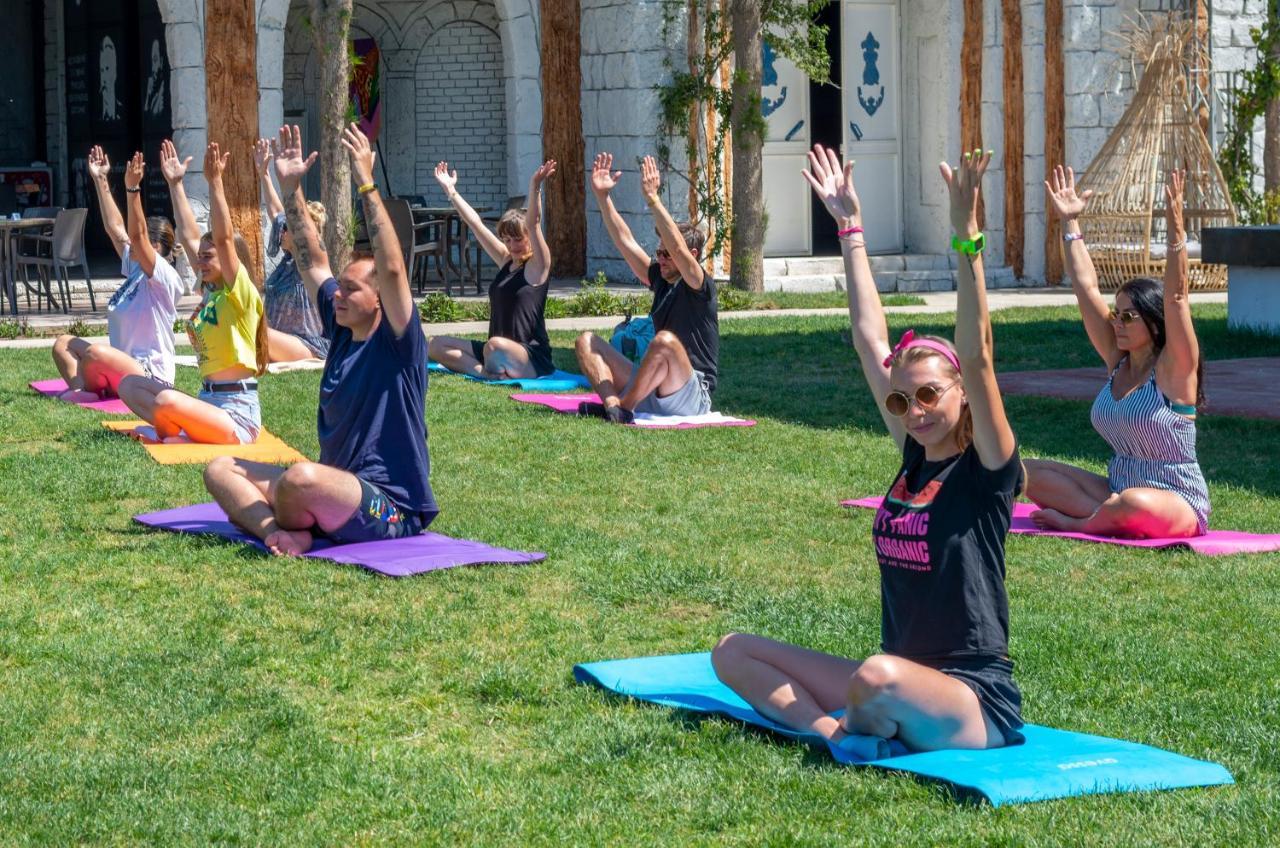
(870, 75)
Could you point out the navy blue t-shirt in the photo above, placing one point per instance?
(373, 399)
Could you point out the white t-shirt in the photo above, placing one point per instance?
(141, 313)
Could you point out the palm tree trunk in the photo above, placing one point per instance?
(331, 23)
(746, 270)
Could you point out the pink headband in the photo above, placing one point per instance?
(909, 340)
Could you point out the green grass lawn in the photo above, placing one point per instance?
(167, 689)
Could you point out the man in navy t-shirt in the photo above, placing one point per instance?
(679, 370)
(372, 480)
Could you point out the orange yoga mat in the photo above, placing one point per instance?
(268, 448)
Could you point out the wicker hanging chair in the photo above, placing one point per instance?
(1124, 223)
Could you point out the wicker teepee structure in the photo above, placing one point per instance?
(1124, 223)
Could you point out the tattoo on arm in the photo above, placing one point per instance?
(375, 219)
(301, 234)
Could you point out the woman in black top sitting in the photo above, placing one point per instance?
(944, 678)
(518, 346)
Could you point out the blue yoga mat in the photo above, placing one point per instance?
(556, 381)
(1050, 764)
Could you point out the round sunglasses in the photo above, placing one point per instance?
(1126, 316)
(927, 397)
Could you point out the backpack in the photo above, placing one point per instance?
(631, 338)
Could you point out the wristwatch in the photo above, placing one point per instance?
(971, 247)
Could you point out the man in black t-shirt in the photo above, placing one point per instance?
(679, 370)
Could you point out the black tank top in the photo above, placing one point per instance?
(517, 312)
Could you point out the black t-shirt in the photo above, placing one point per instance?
(939, 538)
(373, 398)
(690, 314)
(517, 311)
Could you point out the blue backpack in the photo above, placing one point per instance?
(631, 338)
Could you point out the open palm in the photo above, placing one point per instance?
(173, 168)
(99, 164)
(603, 178)
(291, 165)
(1060, 189)
(446, 178)
(833, 184)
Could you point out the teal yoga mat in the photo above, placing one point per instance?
(556, 381)
(1050, 764)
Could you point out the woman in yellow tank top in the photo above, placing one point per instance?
(228, 330)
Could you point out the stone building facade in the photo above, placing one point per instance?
(461, 82)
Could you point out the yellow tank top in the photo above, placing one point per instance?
(224, 329)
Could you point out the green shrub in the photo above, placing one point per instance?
(14, 329)
(730, 299)
(81, 329)
(592, 298)
(439, 308)
(557, 307)
(476, 310)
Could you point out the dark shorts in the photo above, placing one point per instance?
(992, 681)
(540, 359)
(379, 518)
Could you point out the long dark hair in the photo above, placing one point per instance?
(1147, 296)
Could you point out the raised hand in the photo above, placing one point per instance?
(291, 167)
(447, 179)
(964, 183)
(544, 171)
(1173, 196)
(173, 168)
(834, 185)
(134, 171)
(215, 161)
(603, 179)
(99, 164)
(650, 178)
(261, 156)
(1060, 192)
(362, 155)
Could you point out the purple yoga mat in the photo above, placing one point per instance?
(1213, 543)
(568, 404)
(394, 558)
(53, 388)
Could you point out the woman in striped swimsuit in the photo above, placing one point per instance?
(1147, 409)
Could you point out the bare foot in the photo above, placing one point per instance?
(1052, 519)
(79, 396)
(288, 542)
(176, 440)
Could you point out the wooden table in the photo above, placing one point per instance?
(8, 270)
(448, 214)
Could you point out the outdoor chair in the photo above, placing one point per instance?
(54, 254)
(469, 246)
(41, 211)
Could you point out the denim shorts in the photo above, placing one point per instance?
(244, 409)
(378, 518)
(690, 399)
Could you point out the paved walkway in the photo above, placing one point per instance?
(1234, 386)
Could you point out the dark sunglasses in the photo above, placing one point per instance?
(662, 253)
(1127, 316)
(899, 403)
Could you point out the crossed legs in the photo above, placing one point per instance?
(664, 369)
(503, 359)
(91, 369)
(284, 507)
(884, 695)
(173, 412)
(1076, 500)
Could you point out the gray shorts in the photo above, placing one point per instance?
(690, 399)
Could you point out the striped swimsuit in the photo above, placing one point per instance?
(1155, 446)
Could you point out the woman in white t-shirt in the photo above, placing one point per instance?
(141, 313)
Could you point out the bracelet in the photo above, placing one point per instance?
(848, 232)
(1070, 237)
(135, 190)
(366, 188)
(1174, 248)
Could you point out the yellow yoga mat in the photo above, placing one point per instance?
(268, 448)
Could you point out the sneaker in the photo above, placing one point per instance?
(614, 414)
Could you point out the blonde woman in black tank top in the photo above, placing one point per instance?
(518, 347)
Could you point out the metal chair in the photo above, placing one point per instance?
(41, 211)
(56, 253)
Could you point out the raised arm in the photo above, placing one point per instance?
(174, 169)
(393, 280)
(834, 187)
(1181, 355)
(603, 181)
(262, 164)
(492, 245)
(1062, 200)
(308, 249)
(668, 231)
(992, 435)
(220, 227)
(100, 173)
(538, 268)
(140, 242)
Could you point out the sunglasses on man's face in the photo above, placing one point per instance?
(1125, 316)
(926, 397)
(662, 253)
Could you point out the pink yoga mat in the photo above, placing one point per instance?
(1213, 543)
(53, 388)
(394, 558)
(568, 404)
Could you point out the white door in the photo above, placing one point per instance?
(784, 94)
(872, 88)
